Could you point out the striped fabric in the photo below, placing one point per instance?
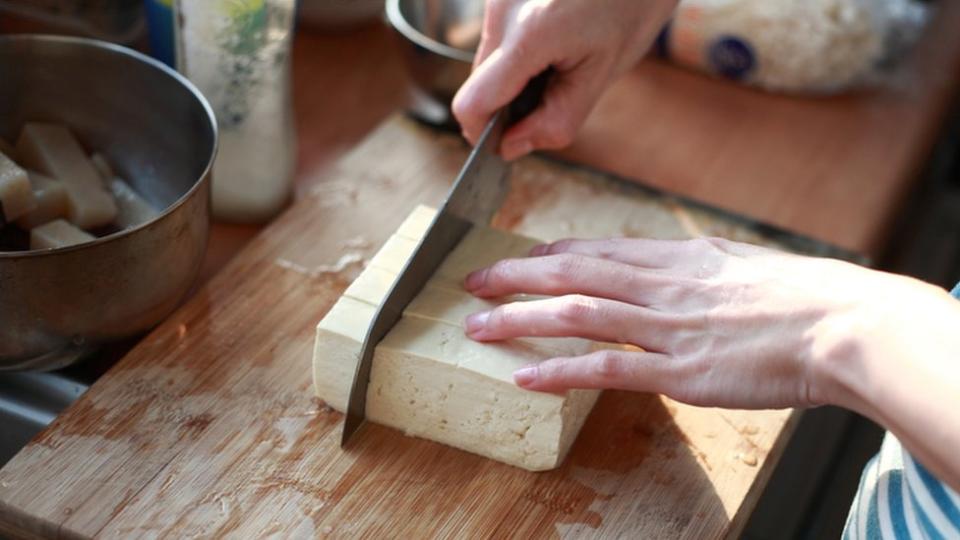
(899, 498)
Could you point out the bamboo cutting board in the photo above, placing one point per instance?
(208, 427)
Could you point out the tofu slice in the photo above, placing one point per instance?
(417, 223)
(429, 380)
(51, 149)
(103, 168)
(16, 195)
(51, 201)
(132, 209)
(56, 234)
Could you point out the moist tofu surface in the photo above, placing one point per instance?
(56, 234)
(52, 150)
(429, 379)
(51, 201)
(16, 194)
(132, 209)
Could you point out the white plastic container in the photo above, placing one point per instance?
(818, 46)
(238, 53)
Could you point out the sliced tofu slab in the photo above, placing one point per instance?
(51, 149)
(429, 380)
(100, 163)
(51, 201)
(132, 209)
(16, 195)
(56, 234)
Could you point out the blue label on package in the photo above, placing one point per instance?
(662, 45)
(731, 57)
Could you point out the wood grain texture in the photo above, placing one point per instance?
(208, 428)
(835, 168)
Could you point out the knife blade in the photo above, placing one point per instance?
(476, 195)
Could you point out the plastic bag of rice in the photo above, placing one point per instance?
(820, 46)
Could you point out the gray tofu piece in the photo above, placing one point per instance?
(51, 149)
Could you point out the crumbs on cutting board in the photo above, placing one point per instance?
(352, 260)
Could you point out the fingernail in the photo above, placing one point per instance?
(477, 322)
(539, 250)
(475, 280)
(525, 375)
(515, 149)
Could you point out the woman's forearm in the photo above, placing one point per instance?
(901, 368)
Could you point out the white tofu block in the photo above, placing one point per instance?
(57, 234)
(16, 195)
(429, 380)
(103, 168)
(132, 209)
(337, 347)
(371, 286)
(394, 253)
(416, 223)
(52, 150)
(51, 201)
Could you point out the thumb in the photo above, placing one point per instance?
(615, 369)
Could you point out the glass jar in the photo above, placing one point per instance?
(238, 53)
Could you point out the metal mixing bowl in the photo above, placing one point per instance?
(160, 135)
(439, 39)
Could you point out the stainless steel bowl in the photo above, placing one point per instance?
(160, 134)
(440, 38)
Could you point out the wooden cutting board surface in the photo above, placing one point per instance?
(209, 428)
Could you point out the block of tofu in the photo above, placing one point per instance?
(56, 234)
(16, 195)
(52, 150)
(103, 167)
(429, 380)
(132, 209)
(51, 201)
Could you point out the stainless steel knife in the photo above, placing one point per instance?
(475, 197)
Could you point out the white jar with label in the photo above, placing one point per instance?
(237, 52)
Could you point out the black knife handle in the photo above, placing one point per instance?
(530, 97)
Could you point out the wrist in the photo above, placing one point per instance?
(836, 361)
(864, 355)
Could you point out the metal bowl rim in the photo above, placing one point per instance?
(163, 68)
(397, 20)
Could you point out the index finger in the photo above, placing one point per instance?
(496, 81)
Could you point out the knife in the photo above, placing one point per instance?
(475, 197)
